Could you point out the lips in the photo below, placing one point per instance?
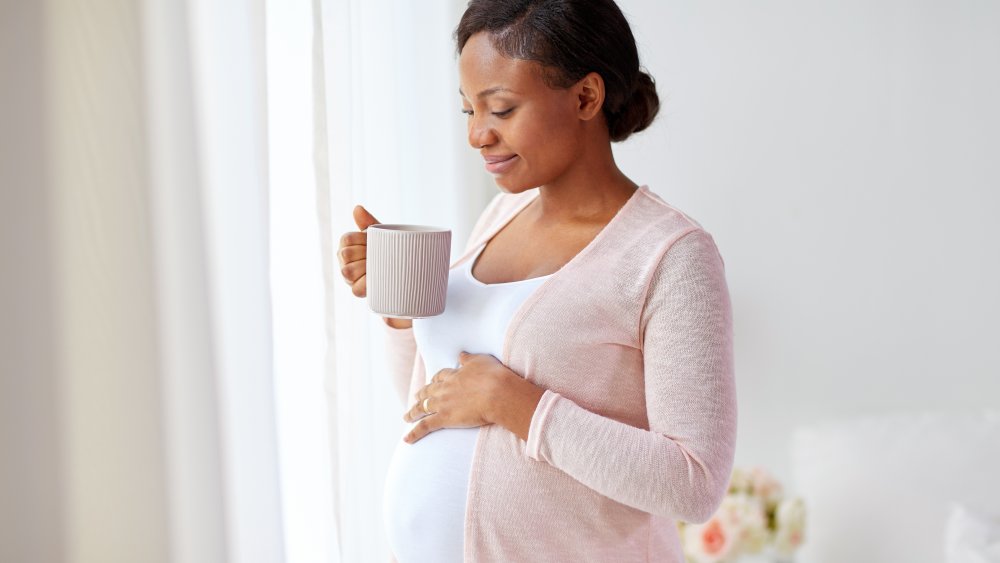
(498, 164)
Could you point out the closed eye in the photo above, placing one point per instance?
(503, 113)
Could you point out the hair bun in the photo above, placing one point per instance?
(638, 112)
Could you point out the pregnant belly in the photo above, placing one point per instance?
(424, 496)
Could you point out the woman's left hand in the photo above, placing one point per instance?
(458, 398)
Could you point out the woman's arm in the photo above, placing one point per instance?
(680, 467)
(401, 350)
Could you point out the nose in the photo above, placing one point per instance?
(481, 132)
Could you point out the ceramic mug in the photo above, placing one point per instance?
(407, 270)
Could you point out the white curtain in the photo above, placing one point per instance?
(154, 415)
(206, 119)
(224, 97)
(390, 137)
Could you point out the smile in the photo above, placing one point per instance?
(500, 164)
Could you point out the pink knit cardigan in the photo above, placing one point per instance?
(632, 340)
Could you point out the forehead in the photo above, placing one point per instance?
(482, 67)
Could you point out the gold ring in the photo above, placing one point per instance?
(423, 405)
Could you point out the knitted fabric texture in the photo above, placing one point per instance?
(632, 340)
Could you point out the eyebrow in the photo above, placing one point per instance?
(488, 91)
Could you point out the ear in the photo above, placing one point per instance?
(590, 96)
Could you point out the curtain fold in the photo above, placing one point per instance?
(157, 190)
(177, 217)
(297, 283)
(329, 264)
(229, 92)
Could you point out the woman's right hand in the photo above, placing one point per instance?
(353, 264)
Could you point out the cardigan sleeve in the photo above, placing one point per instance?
(680, 467)
(401, 350)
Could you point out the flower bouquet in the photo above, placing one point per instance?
(754, 518)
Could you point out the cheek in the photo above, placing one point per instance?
(551, 131)
(556, 138)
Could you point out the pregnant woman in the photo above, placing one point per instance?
(577, 397)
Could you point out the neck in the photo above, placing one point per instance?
(593, 190)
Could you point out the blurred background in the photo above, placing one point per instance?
(185, 377)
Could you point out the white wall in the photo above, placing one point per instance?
(846, 157)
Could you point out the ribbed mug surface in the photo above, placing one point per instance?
(407, 270)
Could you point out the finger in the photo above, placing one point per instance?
(358, 288)
(416, 412)
(363, 218)
(353, 271)
(426, 425)
(353, 237)
(411, 414)
(463, 357)
(351, 253)
(440, 375)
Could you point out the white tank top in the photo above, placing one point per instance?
(428, 481)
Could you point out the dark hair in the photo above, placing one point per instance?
(571, 38)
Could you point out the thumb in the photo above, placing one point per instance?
(363, 218)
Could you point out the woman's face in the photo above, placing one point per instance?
(527, 132)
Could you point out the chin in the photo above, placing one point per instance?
(510, 187)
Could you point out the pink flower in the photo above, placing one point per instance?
(713, 538)
(710, 542)
(739, 526)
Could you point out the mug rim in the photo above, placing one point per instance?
(408, 228)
